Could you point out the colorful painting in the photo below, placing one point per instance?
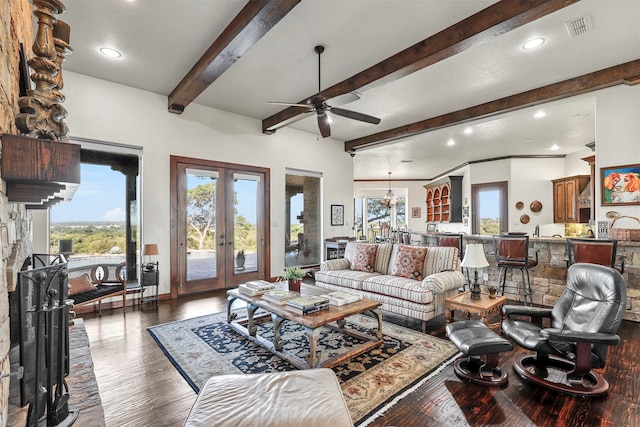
(620, 185)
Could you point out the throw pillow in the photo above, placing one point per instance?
(364, 257)
(409, 262)
(80, 284)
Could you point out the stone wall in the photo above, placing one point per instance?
(16, 26)
(549, 276)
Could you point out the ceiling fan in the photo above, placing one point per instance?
(320, 105)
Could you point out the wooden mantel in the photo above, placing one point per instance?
(39, 172)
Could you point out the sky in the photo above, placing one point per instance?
(100, 197)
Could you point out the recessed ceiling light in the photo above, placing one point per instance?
(533, 43)
(468, 131)
(111, 53)
(451, 142)
(555, 147)
(539, 114)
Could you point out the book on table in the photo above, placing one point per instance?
(307, 301)
(308, 310)
(339, 298)
(279, 296)
(256, 287)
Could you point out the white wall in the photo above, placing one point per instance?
(617, 138)
(574, 165)
(104, 111)
(531, 180)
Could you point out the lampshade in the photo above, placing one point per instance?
(474, 257)
(150, 249)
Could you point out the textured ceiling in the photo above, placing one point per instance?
(162, 39)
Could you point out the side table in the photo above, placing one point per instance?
(484, 306)
(149, 277)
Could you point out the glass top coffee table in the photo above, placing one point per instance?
(333, 318)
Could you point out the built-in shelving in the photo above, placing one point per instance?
(444, 200)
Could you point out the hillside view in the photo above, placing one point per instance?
(90, 238)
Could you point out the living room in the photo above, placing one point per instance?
(138, 118)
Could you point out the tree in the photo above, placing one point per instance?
(245, 234)
(201, 213)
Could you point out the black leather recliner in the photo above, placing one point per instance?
(583, 323)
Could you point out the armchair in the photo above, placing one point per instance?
(583, 323)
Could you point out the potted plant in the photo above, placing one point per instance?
(492, 291)
(294, 276)
(240, 258)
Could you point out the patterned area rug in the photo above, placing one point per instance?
(371, 382)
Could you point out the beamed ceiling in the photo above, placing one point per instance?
(429, 69)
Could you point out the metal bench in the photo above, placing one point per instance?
(93, 283)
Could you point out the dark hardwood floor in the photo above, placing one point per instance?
(140, 387)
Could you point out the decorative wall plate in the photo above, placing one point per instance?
(535, 206)
(524, 219)
(519, 206)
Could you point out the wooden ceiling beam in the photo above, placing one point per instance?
(481, 27)
(249, 26)
(616, 75)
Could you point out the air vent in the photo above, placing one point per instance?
(579, 26)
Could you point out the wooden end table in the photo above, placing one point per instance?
(484, 306)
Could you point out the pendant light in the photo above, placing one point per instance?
(390, 198)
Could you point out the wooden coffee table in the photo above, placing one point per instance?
(333, 318)
(484, 306)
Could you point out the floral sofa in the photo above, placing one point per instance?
(413, 281)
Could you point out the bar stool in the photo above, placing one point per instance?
(455, 241)
(512, 251)
(601, 252)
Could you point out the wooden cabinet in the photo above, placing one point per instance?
(444, 200)
(566, 206)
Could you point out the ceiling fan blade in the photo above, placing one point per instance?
(288, 104)
(343, 99)
(355, 115)
(323, 124)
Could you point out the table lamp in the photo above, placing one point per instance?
(474, 258)
(149, 250)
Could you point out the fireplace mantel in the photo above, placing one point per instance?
(39, 172)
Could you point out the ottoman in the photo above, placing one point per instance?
(309, 398)
(475, 339)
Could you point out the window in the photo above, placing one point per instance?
(489, 208)
(377, 214)
(100, 223)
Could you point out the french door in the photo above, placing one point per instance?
(218, 233)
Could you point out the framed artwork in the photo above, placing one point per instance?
(620, 185)
(337, 214)
(415, 212)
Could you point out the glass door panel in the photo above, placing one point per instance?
(245, 223)
(200, 225)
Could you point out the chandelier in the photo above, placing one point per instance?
(390, 198)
